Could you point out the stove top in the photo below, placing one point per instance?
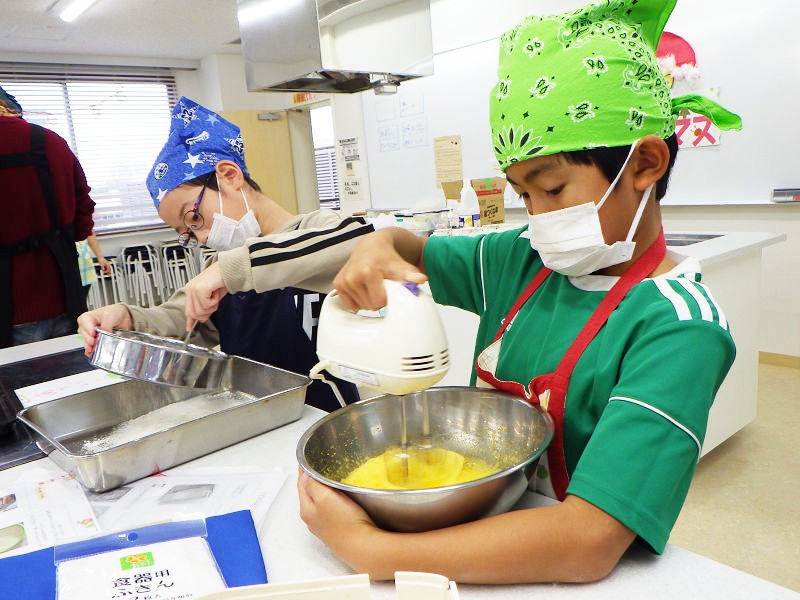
(18, 447)
(17, 444)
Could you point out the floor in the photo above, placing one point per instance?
(743, 509)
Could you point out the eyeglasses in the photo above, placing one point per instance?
(193, 221)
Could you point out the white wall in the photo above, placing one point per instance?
(348, 124)
(456, 101)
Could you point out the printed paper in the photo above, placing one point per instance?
(42, 509)
(175, 494)
(66, 386)
(172, 570)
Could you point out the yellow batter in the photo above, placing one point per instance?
(427, 468)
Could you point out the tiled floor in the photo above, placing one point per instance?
(743, 508)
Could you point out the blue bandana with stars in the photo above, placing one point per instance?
(198, 140)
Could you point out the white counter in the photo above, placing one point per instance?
(291, 553)
(36, 349)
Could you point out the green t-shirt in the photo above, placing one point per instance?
(638, 400)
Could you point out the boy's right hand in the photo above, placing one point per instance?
(203, 294)
(359, 282)
(113, 316)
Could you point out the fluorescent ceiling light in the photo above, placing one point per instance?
(69, 10)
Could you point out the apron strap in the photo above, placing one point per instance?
(643, 266)
(6, 307)
(558, 381)
(537, 281)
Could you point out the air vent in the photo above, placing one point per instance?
(430, 362)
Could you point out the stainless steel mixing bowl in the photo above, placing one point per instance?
(158, 359)
(497, 427)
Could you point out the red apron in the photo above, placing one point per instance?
(550, 390)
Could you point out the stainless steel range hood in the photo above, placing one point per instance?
(334, 45)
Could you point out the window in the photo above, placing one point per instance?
(327, 182)
(325, 155)
(116, 123)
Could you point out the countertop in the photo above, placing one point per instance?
(727, 244)
(291, 553)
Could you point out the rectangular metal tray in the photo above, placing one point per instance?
(259, 398)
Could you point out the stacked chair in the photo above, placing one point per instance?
(146, 274)
(107, 289)
(142, 274)
(179, 265)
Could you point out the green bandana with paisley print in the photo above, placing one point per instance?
(585, 79)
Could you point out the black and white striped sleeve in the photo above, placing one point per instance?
(307, 257)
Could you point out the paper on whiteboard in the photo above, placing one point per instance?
(448, 158)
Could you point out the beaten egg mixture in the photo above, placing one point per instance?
(427, 468)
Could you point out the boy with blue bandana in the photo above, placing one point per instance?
(260, 298)
(583, 312)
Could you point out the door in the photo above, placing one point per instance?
(268, 153)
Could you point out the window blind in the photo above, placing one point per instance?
(115, 121)
(327, 181)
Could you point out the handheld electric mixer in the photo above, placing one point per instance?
(398, 350)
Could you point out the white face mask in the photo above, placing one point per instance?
(227, 233)
(570, 240)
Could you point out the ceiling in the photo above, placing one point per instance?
(182, 30)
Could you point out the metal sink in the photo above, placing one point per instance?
(686, 239)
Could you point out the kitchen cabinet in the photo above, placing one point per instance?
(731, 267)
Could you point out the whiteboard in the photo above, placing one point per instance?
(750, 54)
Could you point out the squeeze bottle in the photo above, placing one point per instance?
(469, 211)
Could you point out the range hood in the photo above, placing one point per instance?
(341, 46)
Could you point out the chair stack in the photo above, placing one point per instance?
(142, 274)
(107, 289)
(179, 265)
(146, 275)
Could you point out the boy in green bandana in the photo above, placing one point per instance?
(583, 126)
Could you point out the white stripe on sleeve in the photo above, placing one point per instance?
(483, 286)
(702, 301)
(723, 322)
(661, 413)
(681, 308)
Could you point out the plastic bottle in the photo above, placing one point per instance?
(452, 213)
(469, 211)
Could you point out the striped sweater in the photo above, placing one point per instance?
(307, 253)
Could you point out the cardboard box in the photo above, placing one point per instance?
(490, 197)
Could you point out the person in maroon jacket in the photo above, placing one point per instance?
(48, 207)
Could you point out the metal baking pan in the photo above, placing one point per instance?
(120, 433)
(158, 359)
